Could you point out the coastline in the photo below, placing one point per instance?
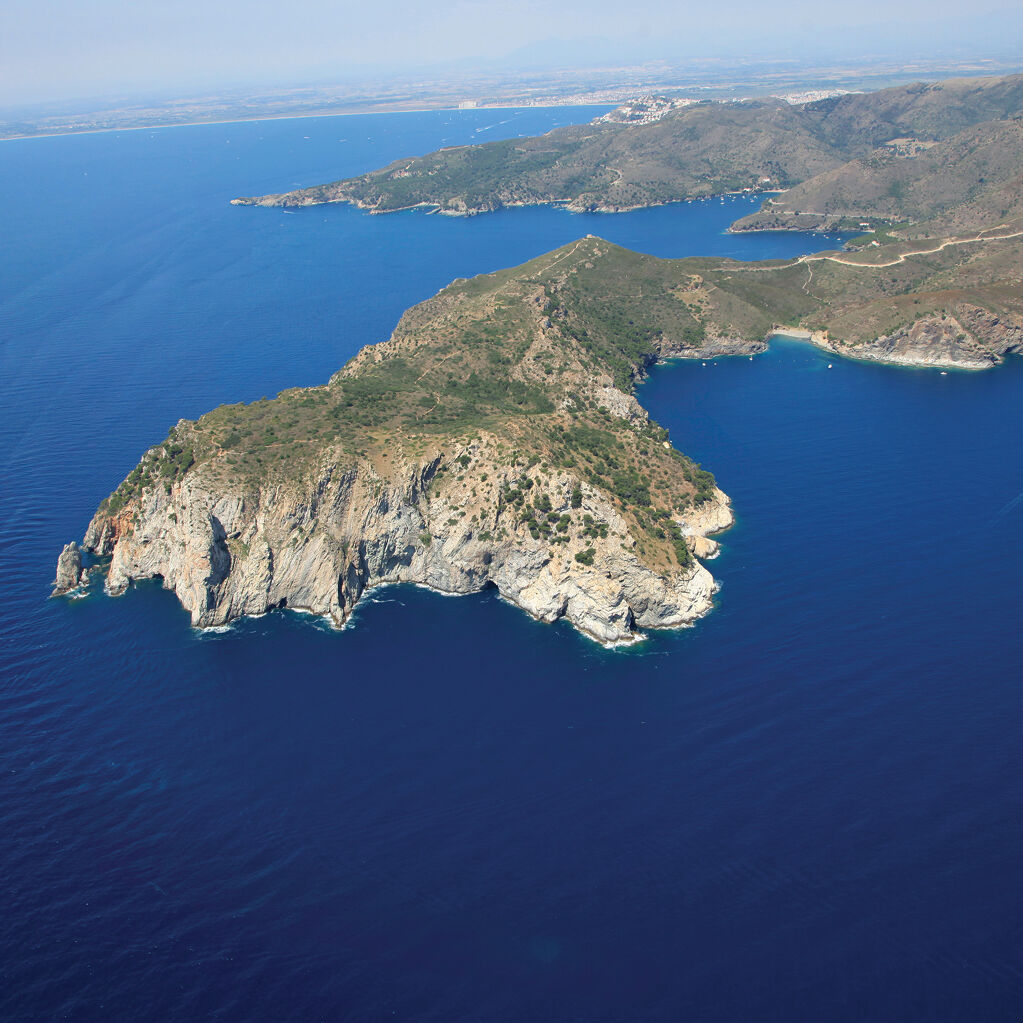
(474, 211)
(687, 596)
(864, 353)
(288, 117)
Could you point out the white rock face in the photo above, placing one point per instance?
(620, 404)
(69, 570)
(320, 545)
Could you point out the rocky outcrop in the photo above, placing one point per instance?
(715, 344)
(971, 338)
(708, 518)
(70, 575)
(318, 545)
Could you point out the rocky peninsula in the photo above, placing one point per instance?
(495, 439)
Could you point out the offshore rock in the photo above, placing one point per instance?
(69, 570)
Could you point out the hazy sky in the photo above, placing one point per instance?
(52, 49)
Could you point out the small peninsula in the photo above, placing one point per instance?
(495, 439)
(845, 158)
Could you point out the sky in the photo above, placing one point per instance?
(67, 49)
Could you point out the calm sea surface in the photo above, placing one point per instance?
(807, 807)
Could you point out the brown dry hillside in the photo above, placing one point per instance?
(959, 184)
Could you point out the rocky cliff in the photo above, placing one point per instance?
(970, 338)
(70, 574)
(496, 439)
(493, 441)
(319, 543)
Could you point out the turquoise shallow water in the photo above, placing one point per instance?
(807, 806)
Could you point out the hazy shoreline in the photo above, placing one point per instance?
(294, 117)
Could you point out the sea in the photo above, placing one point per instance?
(808, 806)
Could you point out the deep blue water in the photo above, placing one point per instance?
(807, 807)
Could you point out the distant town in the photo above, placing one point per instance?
(610, 86)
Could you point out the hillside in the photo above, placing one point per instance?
(495, 438)
(944, 303)
(704, 149)
(488, 442)
(963, 183)
(698, 150)
(860, 122)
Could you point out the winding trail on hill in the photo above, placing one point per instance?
(563, 256)
(901, 258)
